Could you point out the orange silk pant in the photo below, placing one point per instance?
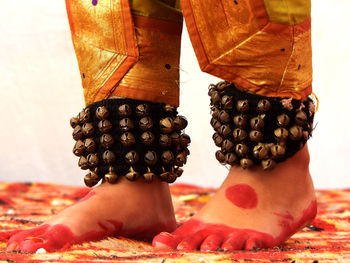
(131, 48)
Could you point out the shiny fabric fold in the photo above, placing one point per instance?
(238, 42)
(105, 43)
(121, 54)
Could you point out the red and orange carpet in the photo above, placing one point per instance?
(24, 206)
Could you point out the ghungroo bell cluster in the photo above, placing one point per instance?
(130, 138)
(253, 129)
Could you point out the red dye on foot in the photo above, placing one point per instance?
(196, 234)
(242, 195)
(56, 237)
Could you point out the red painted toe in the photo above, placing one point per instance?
(12, 247)
(211, 243)
(165, 241)
(192, 242)
(235, 241)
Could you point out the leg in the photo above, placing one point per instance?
(268, 54)
(119, 61)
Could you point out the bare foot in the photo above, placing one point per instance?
(252, 209)
(129, 209)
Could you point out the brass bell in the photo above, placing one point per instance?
(104, 126)
(74, 121)
(142, 110)
(90, 145)
(230, 158)
(242, 105)
(263, 106)
(151, 158)
(124, 110)
(180, 123)
(102, 113)
(240, 121)
(300, 118)
(175, 138)
(185, 140)
(215, 112)
(106, 140)
(295, 133)
(127, 139)
(178, 172)
(186, 151)
(111, 177)
(180, 159)
(215, 98)
(215, 124)
(268, 164)
(126, 124)
(220, 156)
(283, 120)
(225, 131)
(277, 151)
(166, 125)
(84, 116)
(211, 89)
(80, 116)
(92, 160)
(227, 146)
(88, 129)
(108, 157)
(83, 163)
(171, 178)
(77, 133)
(257, 123)
(217, 139)
(165, 176)
(255, 136)
(246, 163)
(222, 85)
(224, 117)
(227, 102)
(132, 175)
(149, 176)
(260, 152)
(167, 157)
(91, 178)
(146, 123)
(281, 134)
(164, 140)
(169, 107)
(132, 157)
(239, 134)
(78, 148)
(147, 138)
(242, 149)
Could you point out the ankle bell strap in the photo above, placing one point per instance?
(130, 138)
(253, 129)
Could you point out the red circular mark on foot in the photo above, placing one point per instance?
(242, 195)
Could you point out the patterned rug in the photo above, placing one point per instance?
(24, 206)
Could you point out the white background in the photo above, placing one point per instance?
(40, 90)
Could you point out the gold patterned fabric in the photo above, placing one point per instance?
(121, 54)
(131, 48)
(266, 53)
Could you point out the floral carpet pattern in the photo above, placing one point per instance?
(25, 205)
